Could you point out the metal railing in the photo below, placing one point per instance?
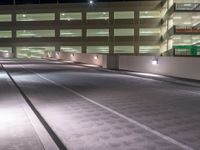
(187, 29)
(187, 6)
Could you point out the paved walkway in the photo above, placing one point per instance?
(91, 109)
(16, 130)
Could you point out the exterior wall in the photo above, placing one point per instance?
(177, 19)
(184, 67)
(83, 24)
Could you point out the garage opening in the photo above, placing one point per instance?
(34, 52)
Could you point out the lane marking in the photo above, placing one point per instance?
(165, 137)
(47, 136)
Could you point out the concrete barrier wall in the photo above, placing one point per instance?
(94, 59)
(184, 67)
(6, 55)
(88, 59)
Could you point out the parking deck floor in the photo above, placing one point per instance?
(90, 109)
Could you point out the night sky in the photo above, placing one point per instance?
(8, 2)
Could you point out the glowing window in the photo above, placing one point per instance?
(35, 33)
(149, 31)
(5, 49)
(5, 18)
(97, 15)
(98, 49)
(5, 34)
(123, 32)
(33, 52)
(124, 49)
(124, 15)
(36, 17)
(71, 33)
(75, 49)
(98, 32)
(149, 49)
(150, 14)
(71, 16)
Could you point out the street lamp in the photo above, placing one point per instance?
(91, 2)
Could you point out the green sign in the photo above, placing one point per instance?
(192, 48)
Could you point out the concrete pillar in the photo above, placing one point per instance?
(84, 32)
(136, 32)
(57, 31)
(14, 22)
(111, 32)
(57, 48)
(14, 51)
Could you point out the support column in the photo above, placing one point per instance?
(57, 48)
(84, 32)
(111, 32)
(14, 49)
(57, 31)
(14, 22)
(136, 32)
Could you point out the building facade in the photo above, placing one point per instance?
(154, 27)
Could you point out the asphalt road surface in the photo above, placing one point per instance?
(90, 109)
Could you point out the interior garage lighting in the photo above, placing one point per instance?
(195, 17)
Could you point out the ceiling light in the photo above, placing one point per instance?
(187, 23)
(195, 17)
(187, 5)
(177, 17)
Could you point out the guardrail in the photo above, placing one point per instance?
(187, 6)
(186, 30)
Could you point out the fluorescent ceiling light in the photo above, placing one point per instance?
(67, 33)
(187, 4)
(177, 38)
(187, 23)
(195, 17)
(186, 41)
(177, 17)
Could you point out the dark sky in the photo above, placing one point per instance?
(8, 2)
